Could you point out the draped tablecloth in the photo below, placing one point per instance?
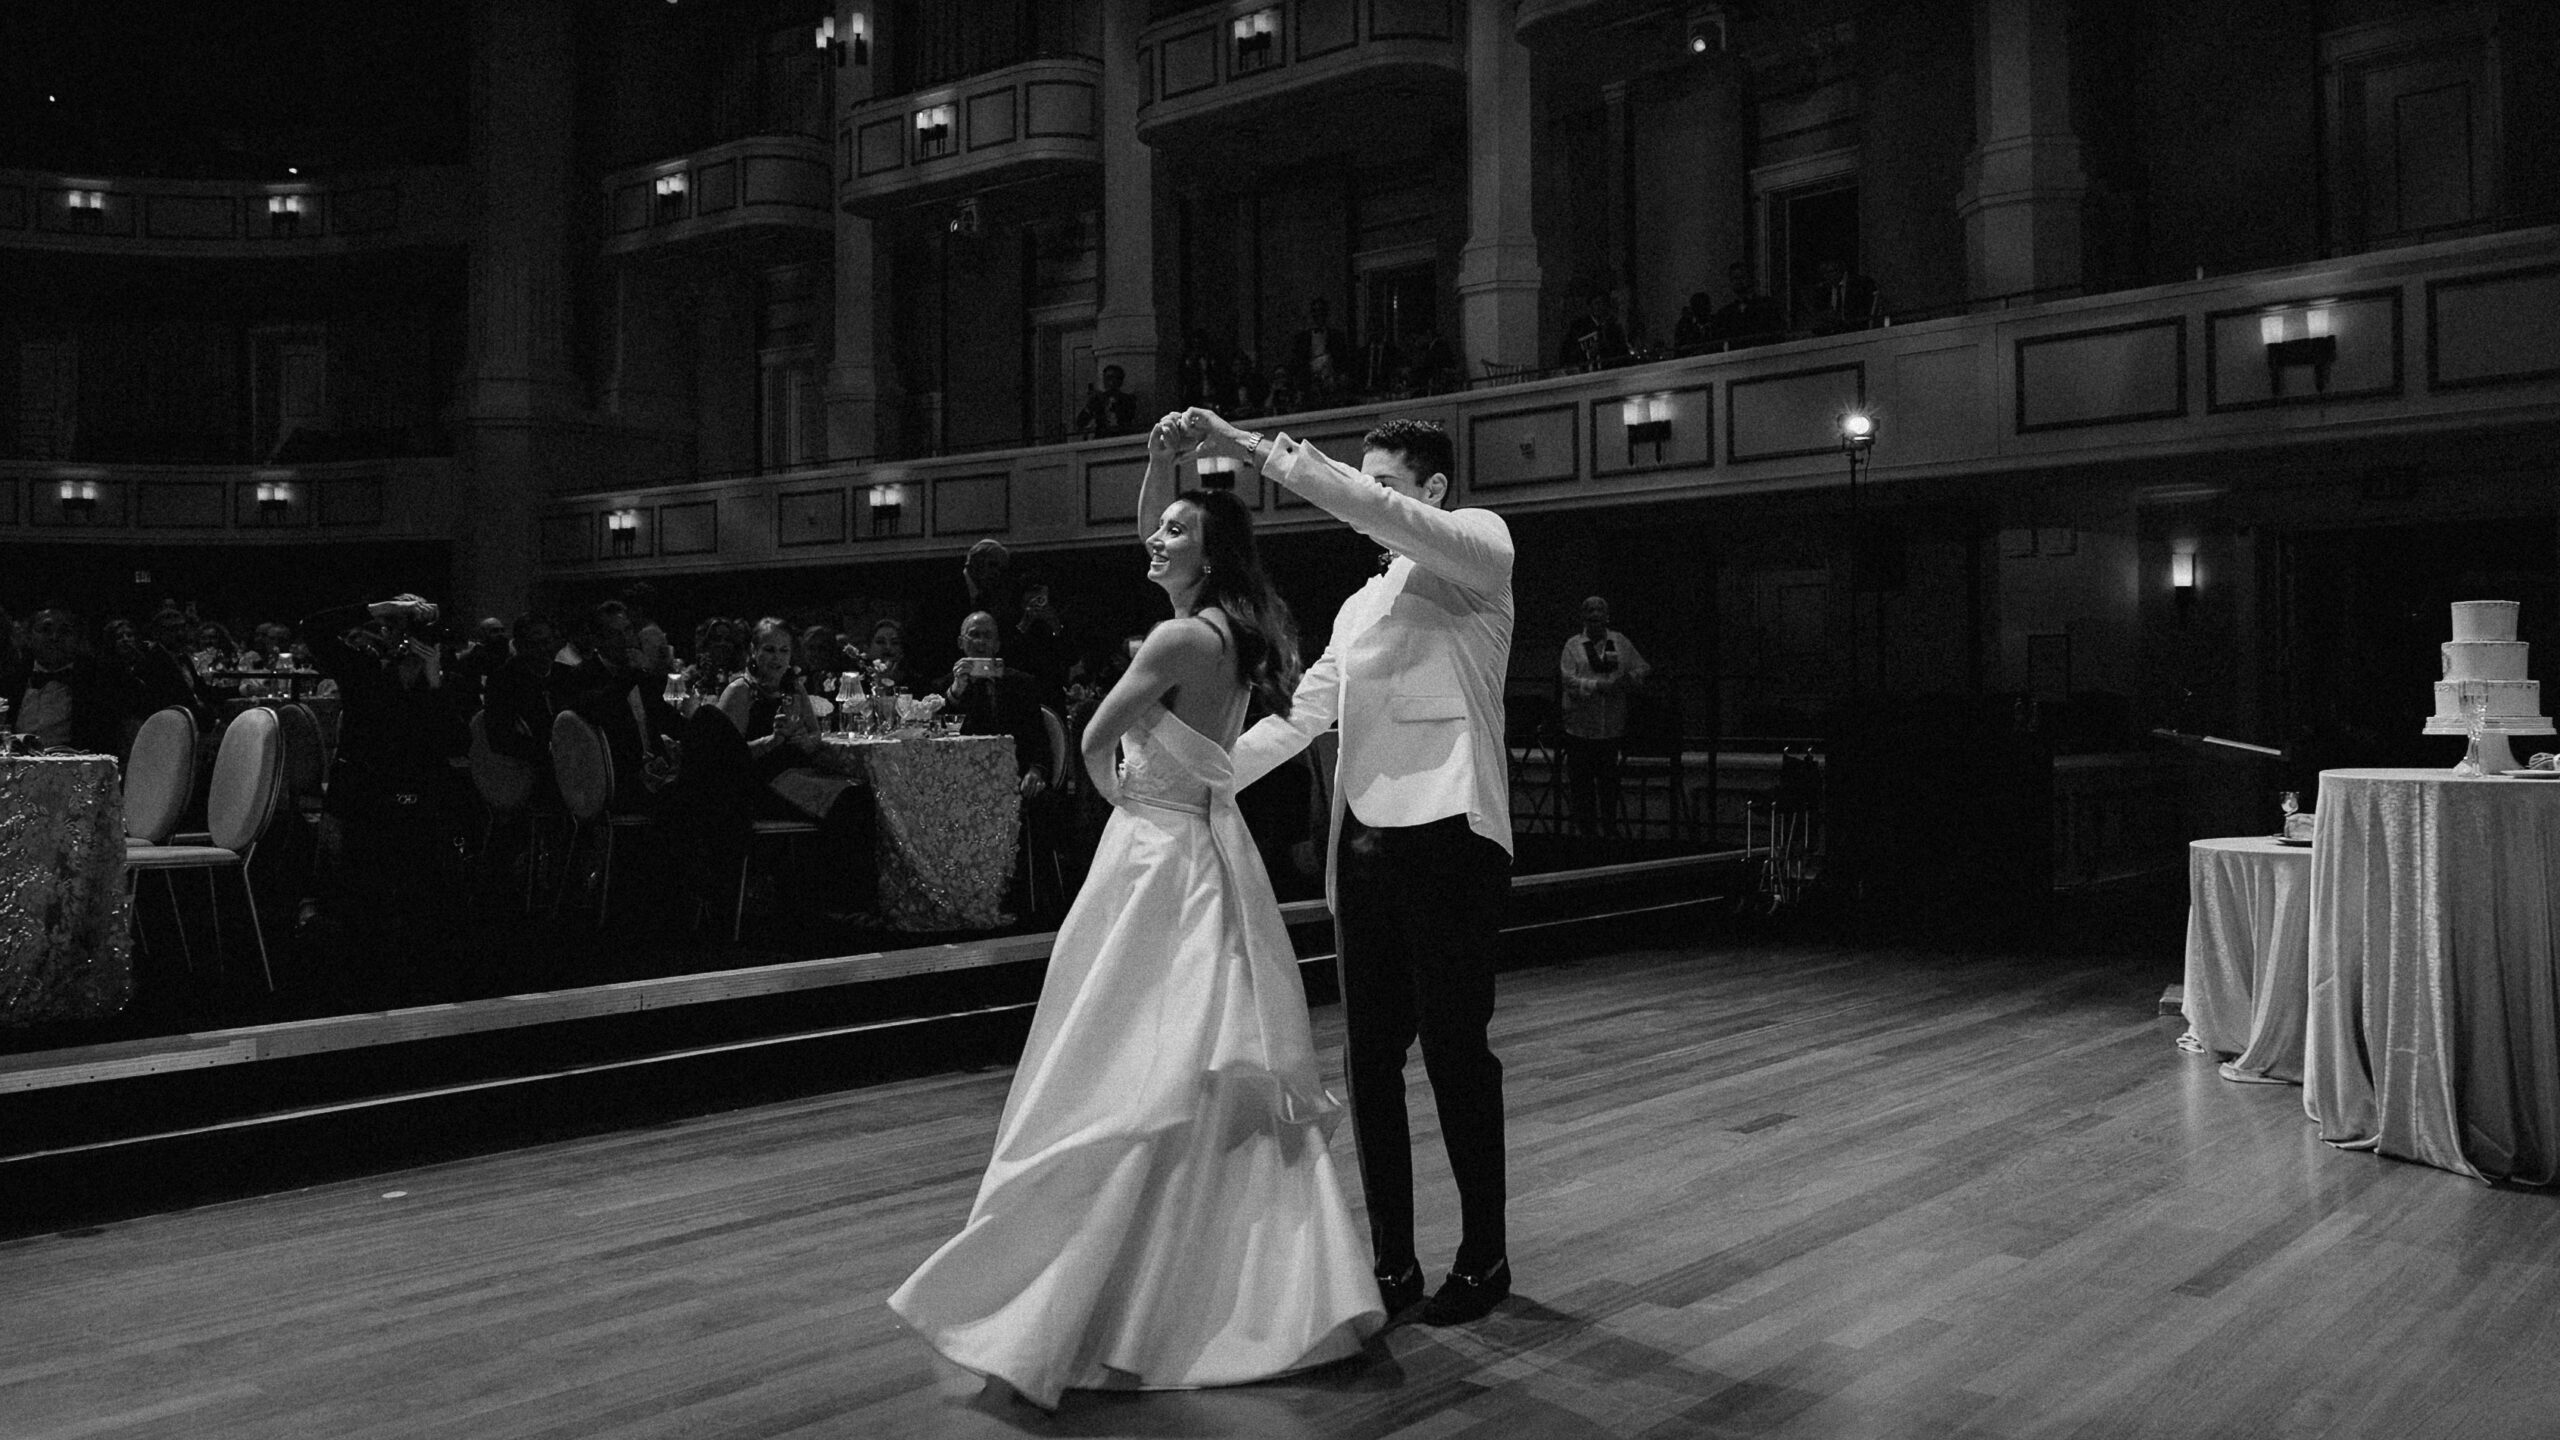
(2248, 954)
(2434, 1031)
(66, 944)
(949, 817)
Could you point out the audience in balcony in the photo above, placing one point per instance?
(1320, 361)
(1749, 318)
(1110, 410)
(1202, 376)
(1840, 299)
(1595, 338)
(1693, 330)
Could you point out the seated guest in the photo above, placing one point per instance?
(1749, 318)
(1841, 299)
(884, 656)
(597, 674)
(751, 763)
(164, 668)
(516, 705)
(1595, 337)
(482, 654)
(719, 653)
(821, 658)
(991, 700)
(61, 697)
(766, 702)
(1694, 329)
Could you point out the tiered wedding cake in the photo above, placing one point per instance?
(2484, 680)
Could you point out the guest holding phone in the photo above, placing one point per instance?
(993, 700)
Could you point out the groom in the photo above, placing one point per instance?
(1422, 825)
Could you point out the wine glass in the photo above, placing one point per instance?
(2290, 802)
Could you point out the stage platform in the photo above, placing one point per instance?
(1762, 1186)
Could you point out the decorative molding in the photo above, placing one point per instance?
(1826, 397)
(688, 528)
(2528, 309)
(1504, 433)
(2174, 327)
(2218, 325)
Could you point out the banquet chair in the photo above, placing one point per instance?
(246, 776)
(1031, 840)
(788, 831)
(159, 778)
(505, 786)
(583, 765)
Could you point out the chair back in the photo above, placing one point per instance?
(582, 765)
(504, 782)
(246, 772)
(304, 765)
(160, 776)
(1056, 725)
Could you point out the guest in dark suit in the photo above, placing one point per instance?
(1320, 358)
(1841, 299)
(991, 700)
(391, 791)
(597, 674)
(59, 696)
(517, 706)
(1749, 318)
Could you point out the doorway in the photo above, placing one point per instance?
(1806, 227)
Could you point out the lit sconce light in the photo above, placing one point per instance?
(2182, 572)
(79, 499)
(1218, 472)
(275, 500)
(623, 528)
(858, 27)
(671, 193)
(1648, 422)
(1257, 36)
(933, 131)
(827, 42)
(2288, 345)
(88, 210)
(888, 508)
(284, 215)
(1710, 28)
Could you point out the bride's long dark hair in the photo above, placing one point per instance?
(1232, 579)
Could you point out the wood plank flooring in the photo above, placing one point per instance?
(1760, 1189)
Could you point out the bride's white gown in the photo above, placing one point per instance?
(1162, 1209)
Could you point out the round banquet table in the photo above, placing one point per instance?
(66, 944)
(2248, 954)
(949, 817)
(2434, 969)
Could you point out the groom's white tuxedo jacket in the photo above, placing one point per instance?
(1414, 671)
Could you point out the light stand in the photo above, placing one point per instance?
(1857, 439)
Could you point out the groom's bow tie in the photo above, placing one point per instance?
(1385, 559)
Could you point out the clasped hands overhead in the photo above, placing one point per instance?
(1190, 434)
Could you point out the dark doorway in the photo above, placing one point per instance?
(1807, 227)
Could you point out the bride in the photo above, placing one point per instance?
(1161, 1210)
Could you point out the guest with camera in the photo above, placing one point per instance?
(993, 700)
(1600, 668)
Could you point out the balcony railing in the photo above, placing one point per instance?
(2427, 338)
(1037, 118)
(764, 182)
(226, 504)
(233, 219)
(1208, 62)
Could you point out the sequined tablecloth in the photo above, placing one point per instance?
(2248, 950)
(949, 817)
(2434, 1030)
(66, 944)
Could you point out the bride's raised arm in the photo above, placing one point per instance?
(1164, 457)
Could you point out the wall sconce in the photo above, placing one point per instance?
(858, 26)
(1257, 35)
(2182, 572)
(88, 210)
(888, 509)
(2314, 346)
(1648, 422)
(671, 193)
(827, 42)
(933, 131)
(623, 528)
(1218, 472)
(284, 215)
(275, 500)
(1710, 26)
(79, 499)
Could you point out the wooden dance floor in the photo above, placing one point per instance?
(1760, 1188)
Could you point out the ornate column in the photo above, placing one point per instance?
(1124, 328)
(853, 371)
(1498, 277)
(2021, 198)
(519, 396)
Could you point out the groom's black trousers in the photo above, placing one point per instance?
(1418, 920)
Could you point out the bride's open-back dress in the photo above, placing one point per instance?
(1161, 1210)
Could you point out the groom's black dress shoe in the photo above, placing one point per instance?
(1402, 1290)
(1464, 1297)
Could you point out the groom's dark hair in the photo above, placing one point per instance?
(1424, 446)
